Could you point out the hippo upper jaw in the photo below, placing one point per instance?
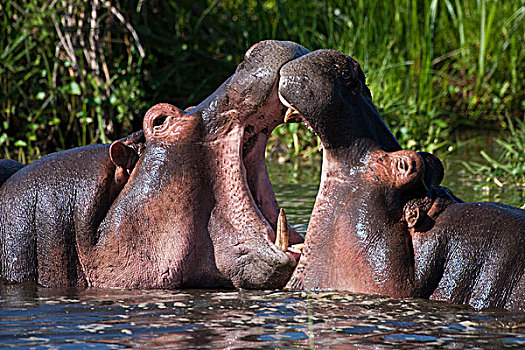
(328, 90)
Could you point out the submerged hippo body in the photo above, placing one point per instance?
(468, 253)
(50, 210)
(197, 210)
(7, 168)
(374, 227)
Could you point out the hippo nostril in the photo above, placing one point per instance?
(160, 120)
(402, 165)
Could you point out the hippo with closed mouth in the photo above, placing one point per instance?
(197, 210)
(380, 223)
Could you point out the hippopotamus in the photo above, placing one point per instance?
(197, 209)
(7, 168)
(50, 209)
(467, 253)
(343, 249)
(381, 224)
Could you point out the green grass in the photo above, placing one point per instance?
(508, 168)
(69, 79)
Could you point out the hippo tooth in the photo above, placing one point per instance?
(297, 247)
(281, 241)
(292, 115)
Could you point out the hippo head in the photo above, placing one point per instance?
(199, 209)
(326, 89)
(356, 240)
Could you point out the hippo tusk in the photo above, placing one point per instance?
(292, 115)
(281, 239)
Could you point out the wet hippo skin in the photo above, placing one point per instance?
(198, 209)
(7, 168)
(468, 253)
(374, 227)
(51, 208)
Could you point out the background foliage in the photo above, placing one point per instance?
(77, 72)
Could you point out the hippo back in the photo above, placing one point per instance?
(7, 168)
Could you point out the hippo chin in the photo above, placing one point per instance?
(198, 209)
(380, 223)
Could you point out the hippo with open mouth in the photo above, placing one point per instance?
(381, 223)
(197, 209)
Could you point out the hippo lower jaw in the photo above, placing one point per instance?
(255, 139)
(260, 254)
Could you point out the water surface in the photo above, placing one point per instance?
(197, 319)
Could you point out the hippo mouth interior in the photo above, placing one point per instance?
(257, 129)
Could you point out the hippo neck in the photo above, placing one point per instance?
(356, 119)
(374, 256)
(348, 158)
(156, 212)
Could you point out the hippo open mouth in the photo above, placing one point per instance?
(257, 129)
(252, 242)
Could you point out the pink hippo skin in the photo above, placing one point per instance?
(380, 224)
(198, 209)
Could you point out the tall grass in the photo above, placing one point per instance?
(63, 82)
(432, 65)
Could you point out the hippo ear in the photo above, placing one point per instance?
(412, 216)
(434, 170)
(123, 156)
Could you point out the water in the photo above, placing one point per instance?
(41, 318)
(197, 319)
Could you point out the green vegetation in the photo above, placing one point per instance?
(509, 166)
(75, 72)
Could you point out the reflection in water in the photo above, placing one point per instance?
(31, 316)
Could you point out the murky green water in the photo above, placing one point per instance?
(33, 317)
